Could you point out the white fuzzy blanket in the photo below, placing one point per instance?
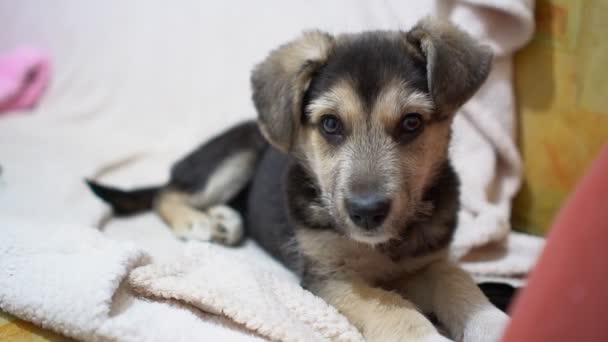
(137, 85)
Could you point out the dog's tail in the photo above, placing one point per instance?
(123, 202)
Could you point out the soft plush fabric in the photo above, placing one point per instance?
(41, 279)
(138, 84)
(259, 297)
(24, 74)
(75, 283)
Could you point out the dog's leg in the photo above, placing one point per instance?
(195, 204)
(451, 294)
(380, 315)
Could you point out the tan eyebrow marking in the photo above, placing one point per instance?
(341, 99)
(397, 98)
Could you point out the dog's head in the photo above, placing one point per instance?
(369, 115)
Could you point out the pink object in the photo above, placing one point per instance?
(24, 74)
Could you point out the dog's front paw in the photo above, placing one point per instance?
(486, 325)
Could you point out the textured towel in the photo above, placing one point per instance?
(41, 276)
(112, 113)
(24, 74)
(273, 305)
(70, 282)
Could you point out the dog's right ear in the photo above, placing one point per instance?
(279, 84)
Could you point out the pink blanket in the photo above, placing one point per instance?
(24, 74)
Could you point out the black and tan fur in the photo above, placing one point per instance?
(296, 193)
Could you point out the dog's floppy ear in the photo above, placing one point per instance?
(456, 65)
(279, 84)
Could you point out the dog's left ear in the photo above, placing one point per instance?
(279, 84)
(456, 65)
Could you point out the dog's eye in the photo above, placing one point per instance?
(331, 128)
(411, 123)
(410, 126)
(331, 125)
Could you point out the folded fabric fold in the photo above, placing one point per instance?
(256, 297)
(62, 277)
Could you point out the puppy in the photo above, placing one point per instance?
(345, 178)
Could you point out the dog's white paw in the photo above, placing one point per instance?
(193, 225)
(220, 224)
(227, 225)
(487, 325)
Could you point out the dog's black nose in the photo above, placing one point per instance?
(367, 211)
